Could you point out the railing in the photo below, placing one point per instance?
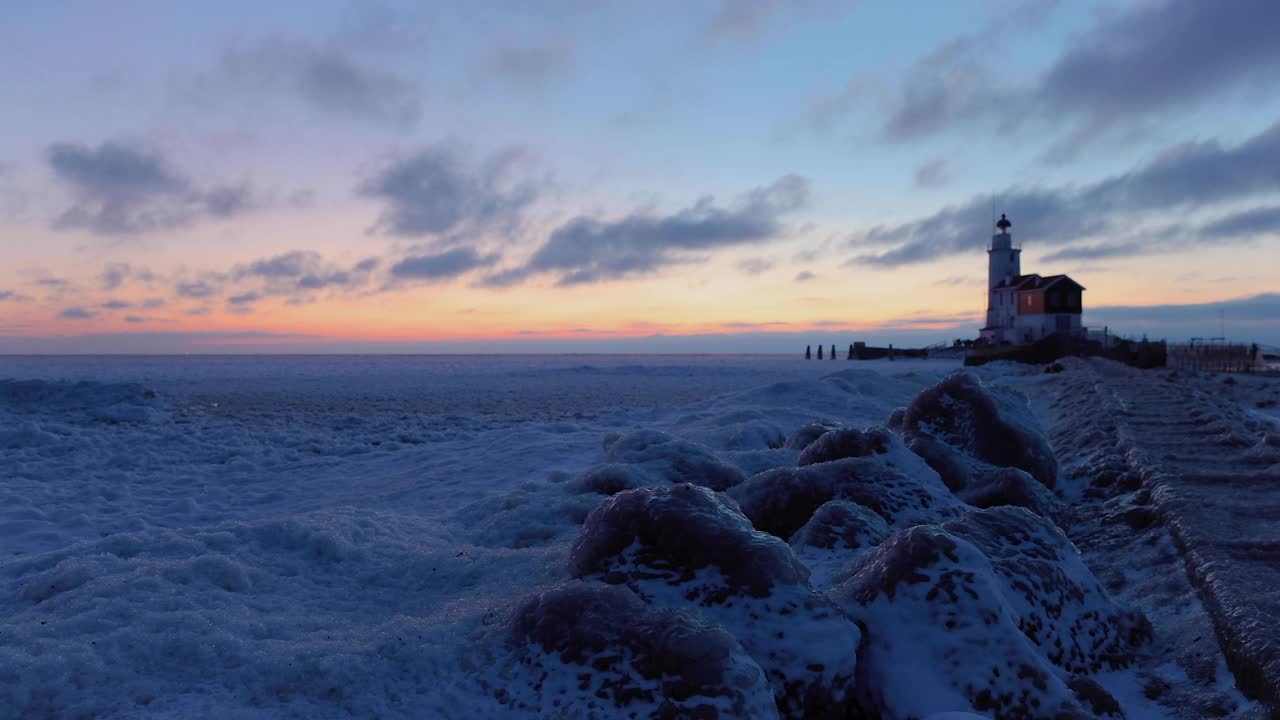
(1216, 357)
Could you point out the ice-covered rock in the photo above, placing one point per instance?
(836, 534)
(1059, 603)
(845, 443)
(1014, 487)
(651, 457)
(805, 434)
(841, 524)
(782, 500)
(597, 651)
(685, 546)
(939, 636)
(987, 612)
(991, 425)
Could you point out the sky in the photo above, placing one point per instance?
(599, 176)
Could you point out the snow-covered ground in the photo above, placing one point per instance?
(248, 537)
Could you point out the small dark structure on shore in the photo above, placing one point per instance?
(863, 351)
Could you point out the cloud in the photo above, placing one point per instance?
(289, 265)
(244, 299)
(1249, 223)
(116, 305)
(1187, 176)
(11, 296)
(528, 67)
(437, 191)
(325, 79)
(121, 190)
(738, 21)
(198, 289)
(944, 84)
(932, 174)
(587, 250)
(755, 266)
(805, 276)
(958, 280)
(116, 274)
(76, 313)
(302, 270)
(134, 319)
(1143, 61)
(154, 342)
(441, 266)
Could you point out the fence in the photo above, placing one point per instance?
(1216, 357)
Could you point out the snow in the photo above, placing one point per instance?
(458, 537)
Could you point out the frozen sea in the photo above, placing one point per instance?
(332, 536)
(347, 536)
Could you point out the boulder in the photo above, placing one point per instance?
(782, 500)
(596, 651)
(991, 425)
(650, 457)
(684, 546)
(845, 443)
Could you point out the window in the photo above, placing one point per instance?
(1028, 301)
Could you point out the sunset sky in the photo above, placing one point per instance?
(567, 175)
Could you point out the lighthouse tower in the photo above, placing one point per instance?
(1004, 261)
(1004, 267)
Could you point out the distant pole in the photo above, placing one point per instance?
(850, 351)
(833, 351)
(808, 352)
(819, 352)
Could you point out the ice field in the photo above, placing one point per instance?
(586, 536)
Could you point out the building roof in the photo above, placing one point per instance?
(1023, 283)
(1045, 282)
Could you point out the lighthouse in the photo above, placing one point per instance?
(1026, 308)
(1004, 261)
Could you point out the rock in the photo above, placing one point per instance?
(991, 425)
(1060, 605)
(845, 443)
(939, 635)
(949, 463)
(806, 434)
(833, 538)
(1095, 697)
(986, 611)
(840, 524)
(599, 650)
(650, 457)
(1011, 486)
(782, 500)
(683, 545)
